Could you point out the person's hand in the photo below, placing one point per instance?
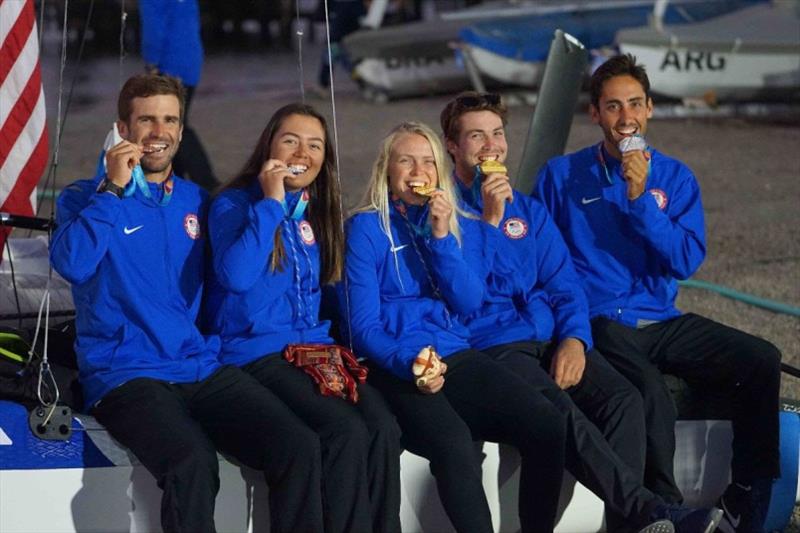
(271, 177)
(440, 212)
(434, 384)
(635, 165)
(496, 191)
(120, 161)
(568, 363)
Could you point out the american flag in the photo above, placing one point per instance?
(23, 131)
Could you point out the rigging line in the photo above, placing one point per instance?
(75, 76)
(122, 17)
(299, 33)
(14, 283)
(338, 169)
(41, 24)
(59, 122)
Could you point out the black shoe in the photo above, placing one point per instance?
(745, 506)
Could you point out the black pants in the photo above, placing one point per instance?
(360, 448)
(175, 429)
(481, 400)
(717, 359)
(605, 428)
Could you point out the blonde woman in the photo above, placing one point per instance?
(406, 280)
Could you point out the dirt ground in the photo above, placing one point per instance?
(749, 170)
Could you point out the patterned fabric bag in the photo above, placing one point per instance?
(333, 368)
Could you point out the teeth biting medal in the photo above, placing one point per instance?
(491, 166)
(424, 190)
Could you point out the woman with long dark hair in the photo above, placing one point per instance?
(276, 238)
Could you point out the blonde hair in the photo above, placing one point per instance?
(376, 197)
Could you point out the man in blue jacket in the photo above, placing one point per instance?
(633, 222)
(534, 307)
(132, 243)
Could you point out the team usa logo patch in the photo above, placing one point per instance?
(306, 232)
(192, 226)
(661, 198)
(515, 228)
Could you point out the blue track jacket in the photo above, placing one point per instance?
(136, 270)
(254, 310)
(393, 307)
(532, 290)
(628, 253)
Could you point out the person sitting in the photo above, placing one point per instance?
(132, 244)
(276, 238)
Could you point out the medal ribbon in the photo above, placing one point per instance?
(299, 208)
(138, 181)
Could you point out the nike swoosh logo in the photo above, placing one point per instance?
(585, 200)
(734, 521)
(398, 248)
(128, 230)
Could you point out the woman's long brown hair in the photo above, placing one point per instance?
(323, 210)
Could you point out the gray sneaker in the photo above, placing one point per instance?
(660, 526)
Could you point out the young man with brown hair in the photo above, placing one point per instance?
(132, 243)
(632, 218)
(534, 320)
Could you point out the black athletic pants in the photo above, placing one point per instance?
(481, 400)
(715, 358)
(360, 448)
(609, 461)
(175, 429)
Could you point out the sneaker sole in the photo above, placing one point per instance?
(662, 526)
(714, 517)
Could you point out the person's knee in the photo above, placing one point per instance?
(453, 456)
(302, 441)
(770, 357)
(351, 430)
(547, 429)
(195, 461)
(630, 404)
(385, 428)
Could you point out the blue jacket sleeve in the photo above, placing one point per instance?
(461, 286)
(677, 234)
(369, 337)
(85, 221)
(546, 191)
(242, 238)
(558, 278)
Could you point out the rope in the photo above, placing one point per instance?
(50, 175)
(41, 24)
(300, 52)
(123, 15)
(338, 169)
(771, 305)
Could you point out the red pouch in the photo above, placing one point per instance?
(333, 368)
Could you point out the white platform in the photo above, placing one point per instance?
(126, 499)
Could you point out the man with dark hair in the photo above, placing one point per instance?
(534, 319)
(633, 221)
(132, 243)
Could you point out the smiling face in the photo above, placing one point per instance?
(155, 125)
(300, 143)
(481, 137)
(622, 110)
(411, 164)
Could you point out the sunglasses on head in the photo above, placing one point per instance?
(478, 100)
